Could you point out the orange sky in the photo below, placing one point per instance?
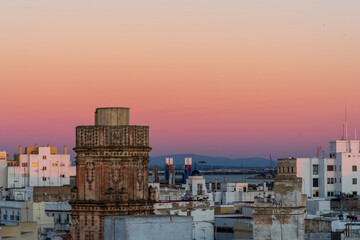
(223, 78)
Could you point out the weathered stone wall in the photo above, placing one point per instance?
(52, 194)
(283, 216)
(286, 168)
(278, 222)
(316, 225)
(289, 191)
(112, 136)
(348, 205)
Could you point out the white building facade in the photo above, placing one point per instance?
(41, 167)
(3, 169)
(200, 205)
(195, 187)
(328, 177)
(239, 192)
(201, 211)
(14, 212)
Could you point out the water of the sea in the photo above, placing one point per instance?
(221, 178)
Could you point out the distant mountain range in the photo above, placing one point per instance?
(218, 162)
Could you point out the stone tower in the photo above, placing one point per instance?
(112, 168)
(281, 216)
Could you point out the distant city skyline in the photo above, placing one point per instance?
(232, 79)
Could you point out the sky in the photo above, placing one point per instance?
(227, 78)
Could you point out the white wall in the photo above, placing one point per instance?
(345, 155)
(201, 211)
(3, 170)
(43, 169)
(20, 211)
(317, 206)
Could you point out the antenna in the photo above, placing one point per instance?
(346, 135)
(355, 134)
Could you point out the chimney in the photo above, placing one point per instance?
(65, 149)
(20, 149)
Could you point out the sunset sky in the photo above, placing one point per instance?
(230, 78)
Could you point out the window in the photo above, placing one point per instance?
(44, 168)
(339, 180)
(89, 235)
(44, 157)
(330, 180)
(334, 180)
(330, 168)
(54, 164)
(354, 168)
(24, 164)
(315, 169)
(315, 182)
(62, 175)
(330, 194)
(34, 164)
(354, 181)
(354, 193)
(315, 193)
(340, 168)
(44, 179)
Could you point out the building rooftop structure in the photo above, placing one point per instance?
(332, 176)
(240, 192)
(195, 173)
(38, 166)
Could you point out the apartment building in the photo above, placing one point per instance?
(39, 166)
(327, 177)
